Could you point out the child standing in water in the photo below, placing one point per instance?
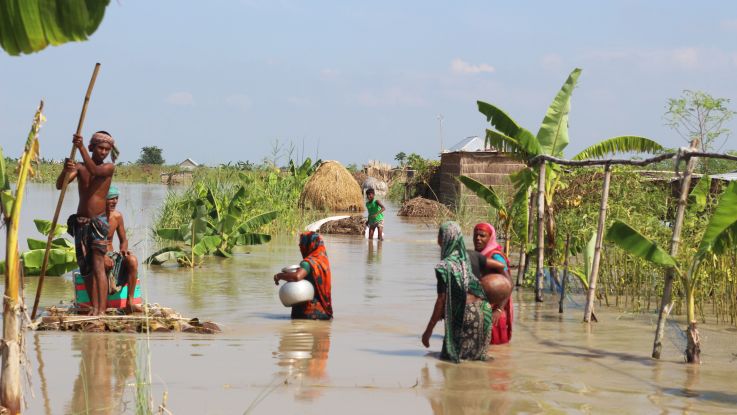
(375, 215)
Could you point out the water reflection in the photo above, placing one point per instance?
(469, 388)
(303, 356)
(374, 252)
(106, 364)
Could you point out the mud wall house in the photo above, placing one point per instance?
(472, 158)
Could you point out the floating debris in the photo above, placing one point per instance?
(154, 318)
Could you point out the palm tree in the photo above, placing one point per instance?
(718, 238)
(551, 139)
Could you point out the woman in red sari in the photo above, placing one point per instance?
(484, 241)
(315, 268)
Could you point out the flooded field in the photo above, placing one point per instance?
(369, 359)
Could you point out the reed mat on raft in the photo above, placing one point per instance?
(154, 318)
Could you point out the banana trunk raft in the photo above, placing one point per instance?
(154, 318)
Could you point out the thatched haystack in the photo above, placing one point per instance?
(353, 225)
(332, 188)
(424, 208)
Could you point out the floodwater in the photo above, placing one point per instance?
(369, 359)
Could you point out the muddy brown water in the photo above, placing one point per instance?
(369, 359)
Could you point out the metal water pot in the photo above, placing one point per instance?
(292, 293)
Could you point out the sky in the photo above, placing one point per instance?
(227, 81)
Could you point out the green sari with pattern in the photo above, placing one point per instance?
(467, 326)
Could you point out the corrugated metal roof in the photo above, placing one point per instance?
(473, 143)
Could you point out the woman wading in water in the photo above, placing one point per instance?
(461, 301)
(315, 268)
(484, 241)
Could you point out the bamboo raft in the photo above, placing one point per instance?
(153, 319)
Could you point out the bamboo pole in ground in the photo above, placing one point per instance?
(670, 273)
(63, 192)
(565, 275)
(539, 273)
(523, 258)
(597, 248)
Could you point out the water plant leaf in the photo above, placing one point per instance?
(588, 255)
(44, 226)
(60, 262)
(631, 241)
(553, 133)
(484, 192)
(171, 234)
(621, 144)
(722, 220)
(206, 245)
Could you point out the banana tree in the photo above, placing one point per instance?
(552, 138)
(10, 390)
(719, 238)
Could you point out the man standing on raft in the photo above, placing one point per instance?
(89, 226)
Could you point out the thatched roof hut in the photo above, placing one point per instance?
(332, 188)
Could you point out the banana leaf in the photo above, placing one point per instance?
(588, 255)
(206, 245)
(252, 239)
(499, 119)
(61, 261)
(553, 133)
(44, 226)
(28, 26)
(631, 241)
(257, 221)
(4, 181)
(171, 234)
(484, 192)
(699, 195)
(170, 253)
(722, 220)
(583, 278)
(621, 144)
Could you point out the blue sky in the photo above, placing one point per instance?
(220, 81)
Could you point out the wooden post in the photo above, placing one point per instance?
(665, 303)
(565, 275)
(597, 249)
(523, 259)
(539, 273)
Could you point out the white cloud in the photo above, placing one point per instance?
(240, 101)
(459, 66)
(552, 61)
(182, 98)
(394, 97)
(686, 57)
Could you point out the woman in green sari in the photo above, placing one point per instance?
(461, 301)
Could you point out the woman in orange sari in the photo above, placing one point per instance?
(315, 268)
(484, 241)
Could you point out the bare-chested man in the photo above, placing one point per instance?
(89, 225)
(123, 263)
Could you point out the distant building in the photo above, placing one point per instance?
(471, 158)
(188, 165)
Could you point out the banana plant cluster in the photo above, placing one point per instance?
(719, 237)
(62, 257)
(551, 140)
(216, 226)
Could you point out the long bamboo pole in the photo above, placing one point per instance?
(63, 192)
(539, 276)
(597, 248)
(665, 303)
(522, 268)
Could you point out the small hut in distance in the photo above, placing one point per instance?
(332, 188)
(470, 157)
